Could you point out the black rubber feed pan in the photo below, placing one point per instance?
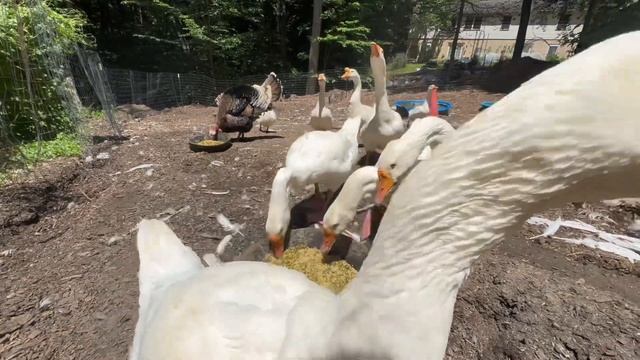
(196, 147)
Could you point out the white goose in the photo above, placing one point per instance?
(356, 107)
(397, 159)
(360, 185)
(416, 143)
(321, 118)
(400, 155)
(551, 141)
(318, 157)
(386, 124)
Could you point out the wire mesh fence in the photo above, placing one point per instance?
(164, 90)
(37, 97)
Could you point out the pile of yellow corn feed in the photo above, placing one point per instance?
(210, 142)
(309, 261)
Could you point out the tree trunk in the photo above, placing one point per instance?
(432, 52)
(281, 26)
(454, 43)
(525, 13)
(588, 22)
(314, 51)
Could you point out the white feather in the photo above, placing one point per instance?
(228, 226)
(223, 244)
(267, 118)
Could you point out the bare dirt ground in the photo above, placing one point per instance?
(68, 269)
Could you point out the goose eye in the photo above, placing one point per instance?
(393, 166)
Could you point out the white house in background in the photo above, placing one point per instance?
(490, 27)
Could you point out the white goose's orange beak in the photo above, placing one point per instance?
(346, 74)
(329, 239)
(276, 243)
(376, 50)
(385, 184)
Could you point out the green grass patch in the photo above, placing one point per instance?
(29, 154)
(4, 178)
(63, 145)
(92, 113)
(407, 69)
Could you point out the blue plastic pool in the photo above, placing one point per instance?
(486, 104)
(443, 106)
(409, 104)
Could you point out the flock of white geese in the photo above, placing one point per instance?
(569, 134)
(327, 159)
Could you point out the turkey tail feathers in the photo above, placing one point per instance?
(276, 86)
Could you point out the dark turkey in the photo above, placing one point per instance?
(239, 106)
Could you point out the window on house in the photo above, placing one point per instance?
(563, 22)
(553, 51)
(472, 22)
(477, 22)
(458, 53)
(506, 23)
(468, 22)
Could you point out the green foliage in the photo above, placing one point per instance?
(433, 15)
(345, 38)
(4, 179)
(29, 154)
(228, 38)
(348, 34)
(92, 113)
(29, 96)
(63, 145)
(555, 59)
(389, 21)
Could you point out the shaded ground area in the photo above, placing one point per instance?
(68, 282)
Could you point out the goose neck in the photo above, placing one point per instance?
(351, 127)
(379, 70)
(474, 199)
(278, 215)
(380, 89)
(321, 100)
(356, 96)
